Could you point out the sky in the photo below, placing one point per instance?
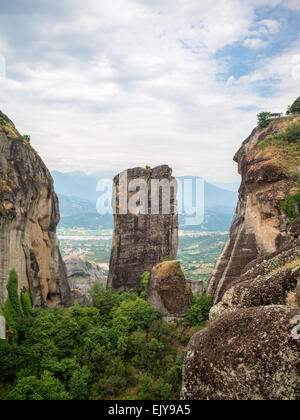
(102, 86)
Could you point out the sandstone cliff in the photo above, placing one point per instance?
(250, 349)
(261, 228)
(29, 215)
(141, 240)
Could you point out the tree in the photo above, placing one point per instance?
(26, 303)
(144, 284)
(33, 389)
(12, 308)
(79, 383)
(295, 108)
(199, 311)
(263, 119)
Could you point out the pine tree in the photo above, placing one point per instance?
(26, 303)
(12, 308)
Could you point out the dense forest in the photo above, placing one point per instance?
(117, 348)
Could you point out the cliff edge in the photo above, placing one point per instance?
(270, 172)
(250, 349)
(29, 214)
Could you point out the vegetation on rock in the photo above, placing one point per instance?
(295, 108)
(263, 119)
(16, 308)
(291, 206)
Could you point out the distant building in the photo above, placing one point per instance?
(275, 115)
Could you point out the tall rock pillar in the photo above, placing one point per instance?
(145, 229)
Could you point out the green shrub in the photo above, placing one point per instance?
(165, 259)
(199, 311)
(291, 206)
(26, 139)
(145, 278)
(290, 135)
(26, 303)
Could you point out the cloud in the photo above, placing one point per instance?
(269, 26)
(102, 86)
(254, 43)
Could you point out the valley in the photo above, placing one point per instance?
(198, 251)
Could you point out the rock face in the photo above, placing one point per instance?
(274, 281)
(250, 349)
(141, 240)
(82, 274)
(169, 292)
(260, 227)
(250, 354)
(197, 287)
(29, 215)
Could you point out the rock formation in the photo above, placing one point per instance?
(250, 349)
(82, 274)
(140, 241)
(249, 354)
(169, 292)
(29, 215)
(260, 227)
(197, 287)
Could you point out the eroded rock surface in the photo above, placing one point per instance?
(169, 292)
(274, 281)
(197, 287)
(140, 241)
(29, 215)
(250, 354)
(250, 349)
(260, 228)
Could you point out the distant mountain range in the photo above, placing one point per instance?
(77, 195)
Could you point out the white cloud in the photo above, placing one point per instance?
(269, 26)
(254, 43)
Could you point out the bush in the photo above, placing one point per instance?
(145, 278)
(291, 206)
(199, 311)
(136, 314)
(290, 135)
